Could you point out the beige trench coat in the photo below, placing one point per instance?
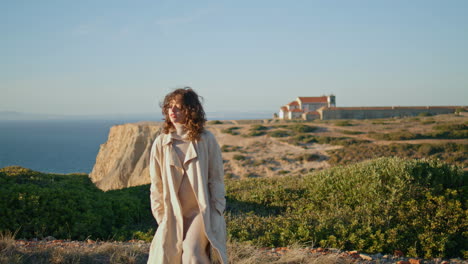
(204, 166)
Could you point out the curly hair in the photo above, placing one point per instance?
(192, 108)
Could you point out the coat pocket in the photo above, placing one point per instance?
(219, 208)
(217, 217)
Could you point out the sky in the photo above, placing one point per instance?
(106, 57)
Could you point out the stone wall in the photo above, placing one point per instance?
(380, 112)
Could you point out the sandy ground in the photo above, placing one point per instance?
(267, 156)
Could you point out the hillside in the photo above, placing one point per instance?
(267, 148)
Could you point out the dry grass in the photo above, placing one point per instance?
(118, 252)
(243, 253)
(74, 253)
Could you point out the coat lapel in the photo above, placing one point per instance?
(190, 155)
(173, 158)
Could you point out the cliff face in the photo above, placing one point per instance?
(124, 159)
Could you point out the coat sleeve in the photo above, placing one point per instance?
(216, 176)
(156, 189)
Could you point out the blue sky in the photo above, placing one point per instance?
(103, 57)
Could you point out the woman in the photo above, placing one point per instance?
(187, 186)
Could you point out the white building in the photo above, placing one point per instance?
(305, 107)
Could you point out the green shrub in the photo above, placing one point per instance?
(340, 141)
(259, 162)
(429, 149)
(301, 139)
(308, 157)
(459, 110)
(378, 122)
(425, 114)
(428, 122)
(453, 131)
(351, 132)
(69, 206)
(239, 157)
(304, 139)
(279, 133)
(258, 128)
(230, 148)
(449, 152)
(301, 128)
(401, 135)
(381, 205)
(215, 122)
(450, 127)
(255, 133)
(231, 130)
(343, 123)
(447, 134)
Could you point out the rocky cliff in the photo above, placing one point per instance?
(124, 159)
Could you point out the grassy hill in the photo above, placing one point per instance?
(380, 205)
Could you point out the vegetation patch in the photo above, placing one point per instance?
(400, 135)
(449, 152)
(304, 139)
(230, 148)
(69, 206)
(451, 131)
(258, 128)
(351, 132)
(301, 128)
(381, 205)
(449, 127)
(343, 123)
(231, 130)
(428, 121)
(379, 122)
(425, 114)
(239, 157)
(279, 133)
(215, 122)
(307, 157)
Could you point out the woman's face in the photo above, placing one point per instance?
(176, 115)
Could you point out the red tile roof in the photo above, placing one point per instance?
(293, 103)
(313, 113)
(284, 108)
(386, 107)
(295, 110)
(308, 100)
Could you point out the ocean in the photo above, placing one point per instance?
(56, 146)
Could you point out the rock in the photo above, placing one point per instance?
(365, 257)
(124, 159)
(403, 262)
(414, 261)
(398, 253)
